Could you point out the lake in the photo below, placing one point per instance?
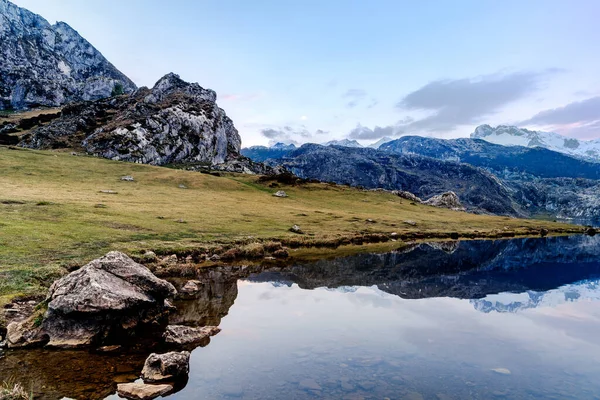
(514, 319)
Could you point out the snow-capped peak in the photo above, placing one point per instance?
(513, 136)
(381, 141)
(283, 146)
(343, 142)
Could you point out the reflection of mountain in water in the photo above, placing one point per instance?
(470, 269)
(513, 302)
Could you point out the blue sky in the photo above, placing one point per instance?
(320, 70)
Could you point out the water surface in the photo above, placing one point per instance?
(516, 319)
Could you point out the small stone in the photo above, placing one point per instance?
(280, 193)
(370, 221)
(394, 234)
(309, 384)
(127, 178)
(215, 257)
(414, 396)
(182, 186)
(108, 349)
(142, 391)
(296, 229)
(108, 192)
(191, 287)
(168, 366)
(410, 222)
(366, 385)
(502, 371)
(181, 221)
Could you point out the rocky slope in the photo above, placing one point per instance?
(50, 65)
(423, 176)
(514, 136)
(540, 180)
(500, 160)
(174, 122)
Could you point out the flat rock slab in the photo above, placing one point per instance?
(142, 391)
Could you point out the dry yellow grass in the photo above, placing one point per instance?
(53, 213)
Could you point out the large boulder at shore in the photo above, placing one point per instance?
(166, 367)
(105, 302)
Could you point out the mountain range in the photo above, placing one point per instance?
(50, 65)
(513, 136)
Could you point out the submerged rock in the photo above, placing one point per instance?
(168, 366)
(102, 303)
(142, 391)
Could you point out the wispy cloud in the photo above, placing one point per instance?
(354, 97)
(579, 119)
(455, 102)
(290, 134)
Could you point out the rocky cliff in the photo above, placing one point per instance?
(174, 122)
(50, 65)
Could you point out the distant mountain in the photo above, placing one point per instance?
(504, 161)
(381, 141)
(344, 143)
(513, 136)
(423, 176)
(263, 153)
(50, 65)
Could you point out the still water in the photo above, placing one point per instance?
(514, 319)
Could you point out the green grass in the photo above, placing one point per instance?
(53, 214)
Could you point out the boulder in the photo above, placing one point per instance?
(296, 229)
(446, 200)
(181, 335)
(104, 302)
(142, 391)
(166, 367)
(280, 193)
(407, 195)
(191, 287)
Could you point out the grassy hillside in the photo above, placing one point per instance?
(54, 214)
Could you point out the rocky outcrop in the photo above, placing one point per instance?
(166, 367)
(50, 65)
(173, 123)
(446, 200)
(105, 302)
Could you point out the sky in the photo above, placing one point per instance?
(318, 70)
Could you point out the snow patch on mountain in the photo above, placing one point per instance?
(344, 143)
(513, 136)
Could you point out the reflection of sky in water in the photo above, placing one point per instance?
(286, 342)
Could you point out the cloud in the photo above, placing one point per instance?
(584, 111)
(455, 102)
(579, 119)
(289, 134)
(354, 97)
(362, 132)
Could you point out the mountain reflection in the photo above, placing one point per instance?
(466, 270)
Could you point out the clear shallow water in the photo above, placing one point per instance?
(515, 319)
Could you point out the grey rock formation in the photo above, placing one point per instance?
(166, 367)
(104, 302)
(142, 391)
(50, 65)
(445, 200)
(175, 122)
